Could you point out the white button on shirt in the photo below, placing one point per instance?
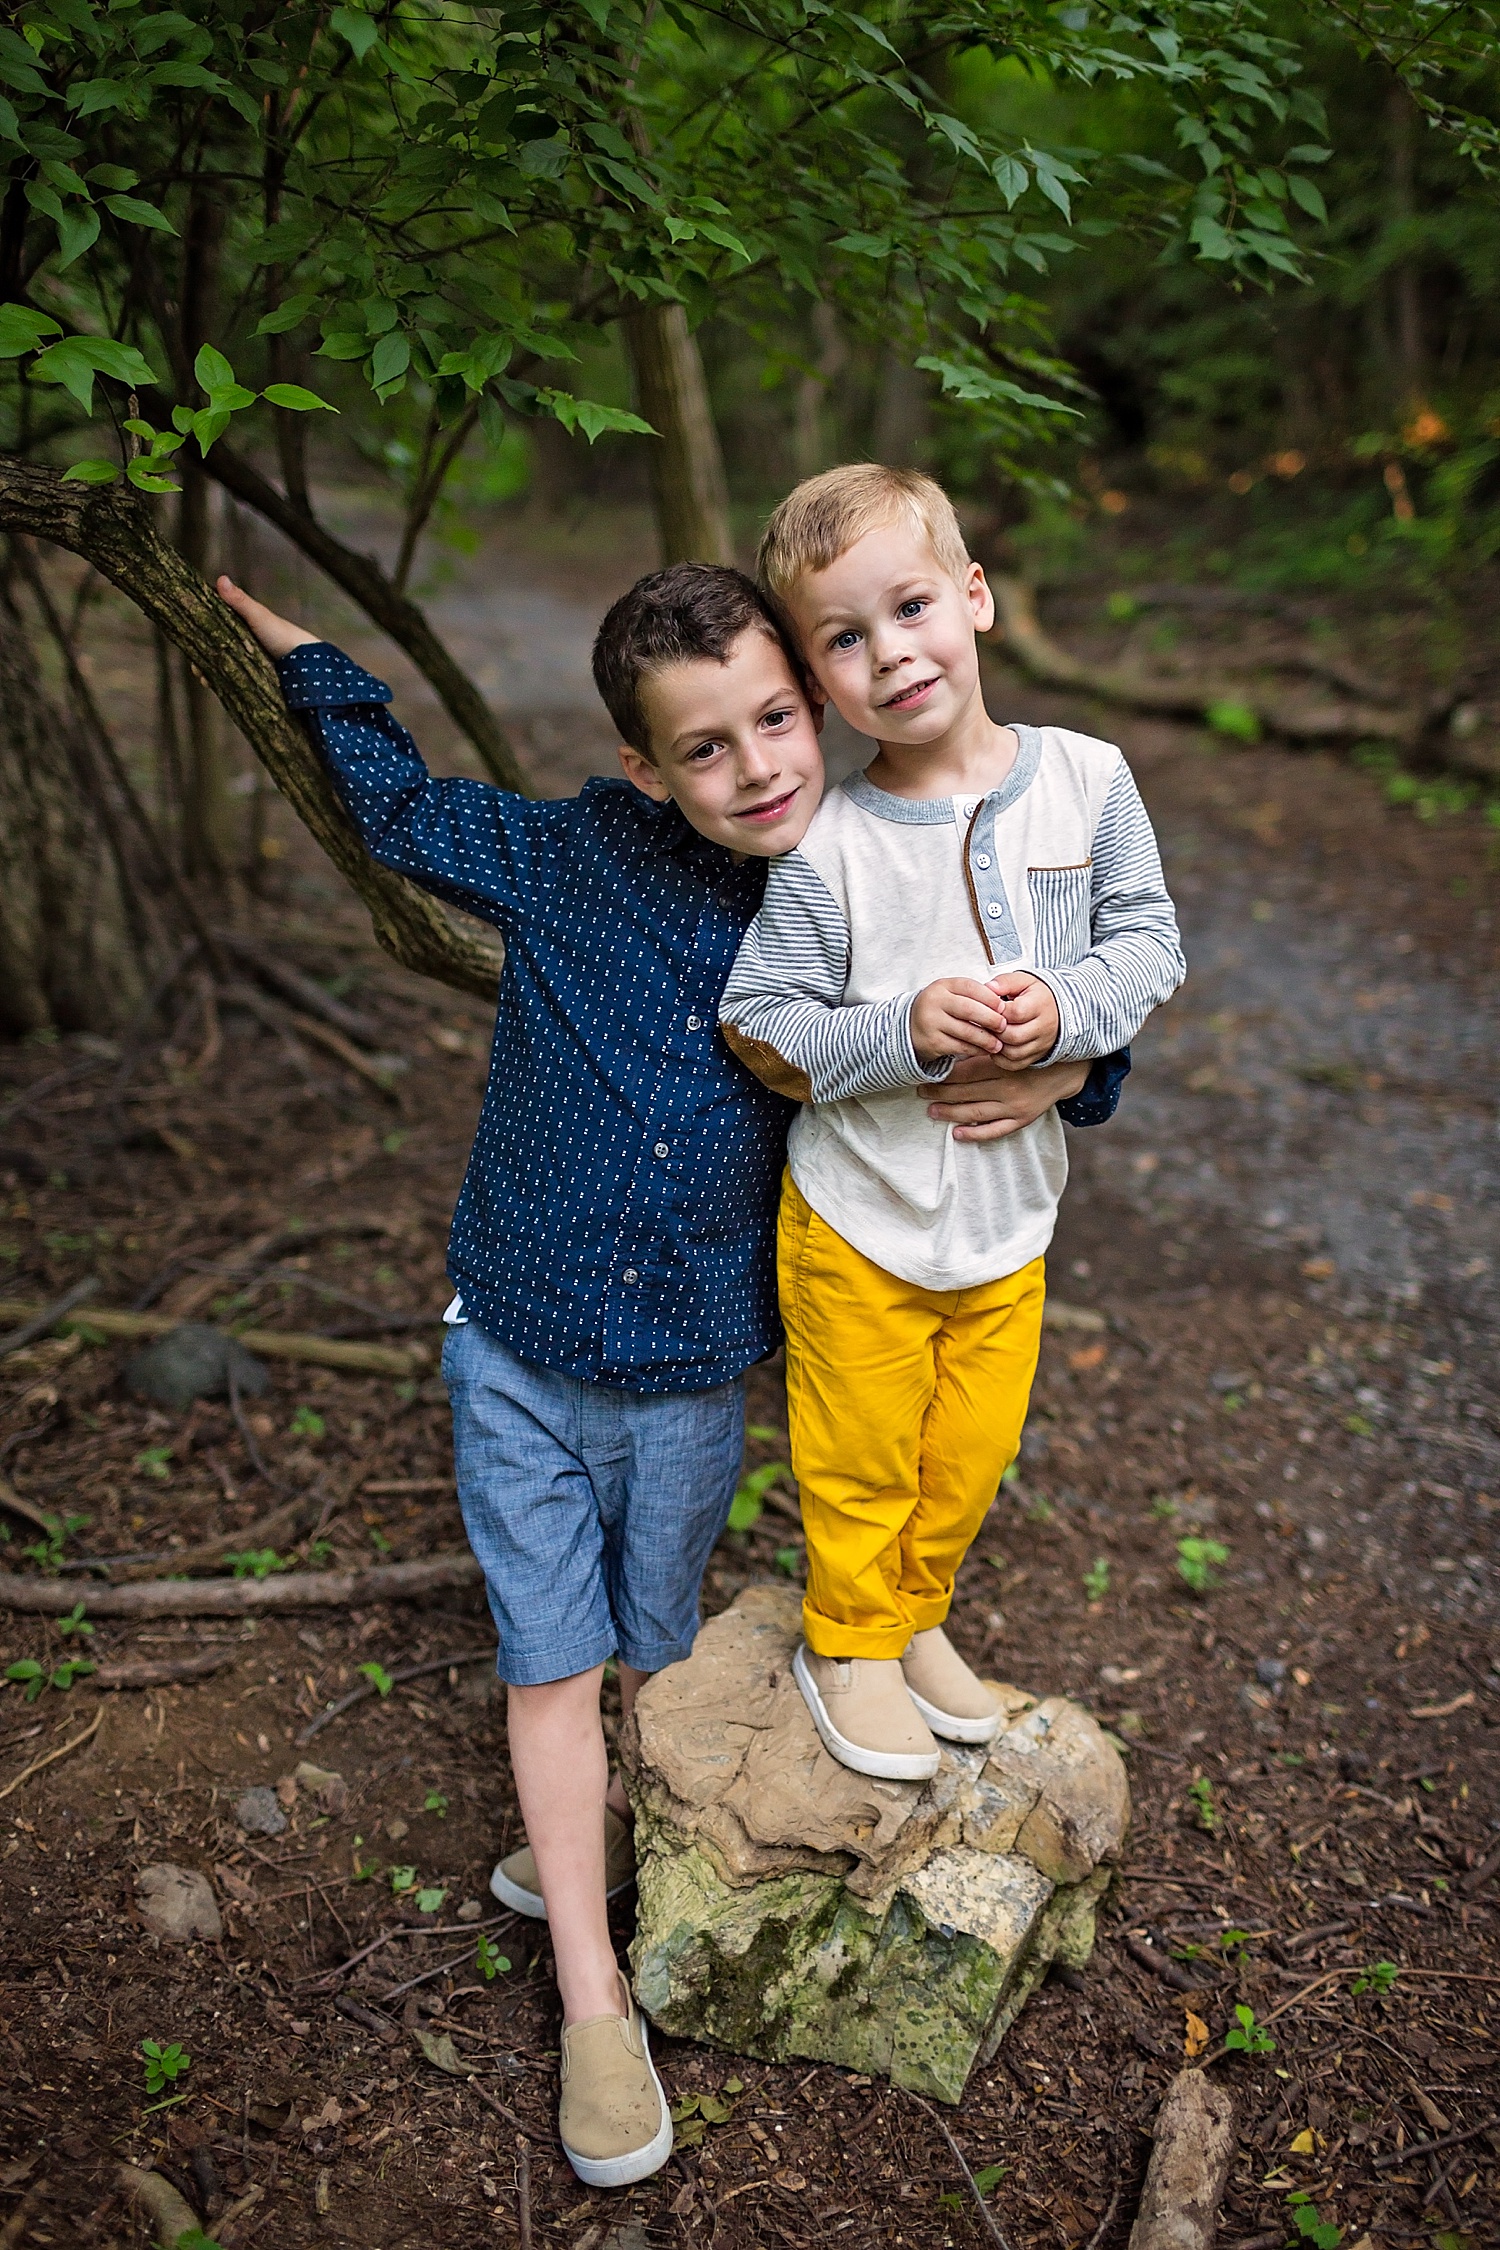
(981, 859)
(662, 1149)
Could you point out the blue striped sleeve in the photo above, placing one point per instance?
(1134, 961)
(783, 1009)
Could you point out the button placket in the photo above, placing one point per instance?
(987, 885)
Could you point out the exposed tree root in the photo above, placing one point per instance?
(1021, 633)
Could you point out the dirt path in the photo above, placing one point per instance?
(1290, 1234)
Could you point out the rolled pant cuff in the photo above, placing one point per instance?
(826, 1637)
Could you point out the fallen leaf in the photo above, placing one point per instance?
(329, 2114)
(1088, 1355)
(1306, 2143)
(440, 2051)
(1444, 1710)
(1320, 1269)
(1197, 2034)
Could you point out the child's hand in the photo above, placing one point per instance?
(1031, 1019)
(278, 636)
(955, 1016)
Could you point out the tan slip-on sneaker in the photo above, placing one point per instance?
(866, 1718)
(613, 2117)
(514, 1882)
(954, 1703)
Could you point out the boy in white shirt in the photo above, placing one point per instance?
(979, 890)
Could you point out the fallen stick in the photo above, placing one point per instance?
(985, 2213)
(1161, 1965)
(1478, 1876)
(235, 1597)
(1433, 2148)
(47, 1317)
(1185, 2180)
(161, 1671)
(270, 1343)
(170, 2217)
(53, 1755)
(302, 990)
(390, 1937)
(14, 1505)
(1021, 633)
(368, 1688)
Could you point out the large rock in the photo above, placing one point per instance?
(791, 1908)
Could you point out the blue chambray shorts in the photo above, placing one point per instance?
(592, 1511)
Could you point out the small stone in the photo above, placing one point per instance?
(329, 1790)
(397, 1828)
(193, 1361)
(258, 1813)
(470, 1911)
(286, 1792)
(177, 1903)
(1270, 1671)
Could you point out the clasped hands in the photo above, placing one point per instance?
(1012, 1019)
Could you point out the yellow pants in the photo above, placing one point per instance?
(906, 1406)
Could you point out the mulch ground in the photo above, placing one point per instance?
(1314, 1759)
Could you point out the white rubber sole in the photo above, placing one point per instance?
(531, 1902)
(882, 1765)
(636, 2163)
(954, 1729)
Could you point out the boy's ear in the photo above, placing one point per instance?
(981, 600)
(642, 773)
(817, 703)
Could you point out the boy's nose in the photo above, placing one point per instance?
(759, 762)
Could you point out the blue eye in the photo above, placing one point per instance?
(846, 639)
(913, 608)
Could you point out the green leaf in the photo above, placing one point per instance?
(22, 330)
(389, 360)
(10, 124)
(77, 231)
(1210, 239)
(91, 472)
(588, 415)
(1011, 178)
(378, 1677)
(296, 399)
(1307, 196)
(428, 1902)
(96, 94)
(213, 370)
(359, 33)
(989, 2177)
(290, 313)
(139, 214)
(865, 245)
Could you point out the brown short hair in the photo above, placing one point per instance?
(669, 617)
(821, 518)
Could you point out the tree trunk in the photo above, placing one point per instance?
(68, 958)
(902, 413)
(810, 450)
(687, 465)
(1406, 281)
(113, 528)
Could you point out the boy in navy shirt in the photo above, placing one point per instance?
(613, 1249)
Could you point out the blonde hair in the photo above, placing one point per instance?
(821, 518)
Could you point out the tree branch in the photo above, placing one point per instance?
(114, 530)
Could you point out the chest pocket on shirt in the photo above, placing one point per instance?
(1060, 899)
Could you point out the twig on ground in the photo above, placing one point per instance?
(159, 1671)
(281, 1526)
(1161, 1965)
(14, 1505)
(523, 2194)
(367, 1688)
(388, 1937)
(1435, 2148)
(235, 1597)
(48, 1317)
(985, 2213)
(53, 1755)
(396, 1990)
(247, 1435)
(271, 1343)
(1102, 2228)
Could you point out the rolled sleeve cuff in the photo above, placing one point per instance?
(1098, 1098)
(319, 677)
(914, 1071)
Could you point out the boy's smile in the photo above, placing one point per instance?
(736, 746)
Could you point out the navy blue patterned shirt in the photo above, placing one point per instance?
(618, 1217)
